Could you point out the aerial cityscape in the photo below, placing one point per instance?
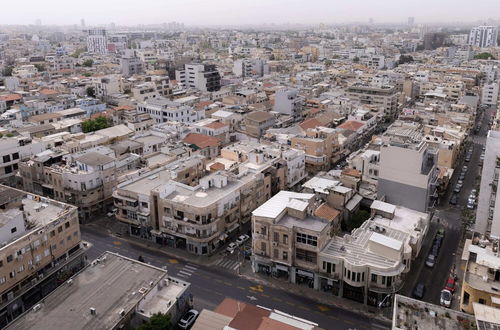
(265, 165)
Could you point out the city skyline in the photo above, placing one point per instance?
(198, 13)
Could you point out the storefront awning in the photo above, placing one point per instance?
(305, 273)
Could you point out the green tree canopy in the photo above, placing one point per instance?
(88, 63)
(40, 67)
(355, 59)
(93, 125)
(405, 59)
(485, 56)
(90, 91)
(158, 321)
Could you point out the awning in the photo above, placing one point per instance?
(304, 273)
(281, 267)
(222, 237)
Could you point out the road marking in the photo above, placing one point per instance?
(236, 266)
(240, 287)
(193, 265)
(227, 283)
(333, 317)
(173, 261)
(266, 295)
(190, 268)
(117, 243)
(257, 288)
(290, 303)
(348, 322)
(276, 299)
(323, 308)
(303, 307)
(185, 273)
(182, 275)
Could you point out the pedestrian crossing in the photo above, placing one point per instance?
(227, 264)
(187, 270)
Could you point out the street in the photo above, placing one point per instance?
(450, 218)
(210, 285)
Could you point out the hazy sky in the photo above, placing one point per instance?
(218, 12)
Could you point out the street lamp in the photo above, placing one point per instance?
(380, 304)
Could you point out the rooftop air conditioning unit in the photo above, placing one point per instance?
(93, 311)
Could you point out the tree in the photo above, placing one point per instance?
(90, 91)
(40, 67)
(485, 56)
(405, 59)
(86, 74)
(93, 125)
(355, 59)
(88, 63)
(158, 321)
(7, 72)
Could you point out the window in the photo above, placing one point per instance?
(12, 274)
(285, 239)
(358, 277)
(383, 280)
(263, 230)
(52, 233)
(389, 281)
(15, 155)
(2, 280)
(13, 230)
(285, 255)
(307, 239)
(276, 253)
(1, 263)
(66, 225)
(482, 301)
(466, 298)
(349, 274)
(263, 246)
(276, 237)
(21, 269)
(10, 258)
(59, 229)
(6, 158)
(46, 253)
(305, 255)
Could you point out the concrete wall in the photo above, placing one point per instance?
(396, 193)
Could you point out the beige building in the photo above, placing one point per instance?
(257, 122)
(40, 245)
(385, 97)
(481, 280)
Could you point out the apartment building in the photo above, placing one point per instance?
(132, 198)
(481, 280)
(488, 208)
(40, 246)
(372, 261)
(112, 292)
(408, 173)
(489, 94)
(97, 41)
(287, 237)
(203, 77)
(384, 97)
(288, 102)
(483, 36)
(163, 110)
(85, 180)
(13, 150)
(321, 147)
(131, 66)
(257, 122)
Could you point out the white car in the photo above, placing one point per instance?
(445, 298)
(231, 247)
(188, 319)
(242, 239)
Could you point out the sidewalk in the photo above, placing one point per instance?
(321, 297)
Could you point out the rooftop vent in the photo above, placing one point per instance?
(93, 311)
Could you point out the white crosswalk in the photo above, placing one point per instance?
(187, 270)
(227, 264)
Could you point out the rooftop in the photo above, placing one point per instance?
(279, 202)
(110, 284)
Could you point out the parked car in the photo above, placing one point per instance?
(430, 261)
(451, 284)
(419, 291)
(438, 241)
(471, 205)
(231, 247)
(242, 239)
(188, 319)
(461, 176)
(445, 298)
(454, 199)
(457, 188)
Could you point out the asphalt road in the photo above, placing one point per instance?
(210, 285)
(450, 217)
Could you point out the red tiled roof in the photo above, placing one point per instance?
(48, 91)
(310, 123)
(123, 107)
(326, 212)
(352, 172)
(201, 141)
(202, 104)
(352, 125)
(10, 97)
(216, 125)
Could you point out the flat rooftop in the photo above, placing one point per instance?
(113, 284)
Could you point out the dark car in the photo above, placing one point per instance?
(419, 291)
(454, 199)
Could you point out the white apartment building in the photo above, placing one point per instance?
(408, 174)
(163, 110)
(97, 41)
(483, 36)
(13, 150)
(489, 95)
(203, 77)
(488, 209)
(288, 102)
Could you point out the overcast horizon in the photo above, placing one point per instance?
(227, 12)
